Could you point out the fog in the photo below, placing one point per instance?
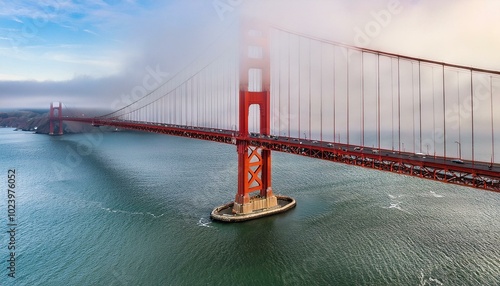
(172, 35)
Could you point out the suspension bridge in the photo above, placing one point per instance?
(279, 90)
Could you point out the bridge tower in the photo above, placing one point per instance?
(55, 116)
(254, 164)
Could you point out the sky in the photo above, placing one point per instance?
(89, 53)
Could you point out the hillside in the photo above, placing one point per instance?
(38, 122)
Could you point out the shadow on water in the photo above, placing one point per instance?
(123, 191)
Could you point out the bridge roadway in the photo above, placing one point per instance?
(481, 175)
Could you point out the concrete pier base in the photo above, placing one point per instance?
(256, 203)
(229, 212)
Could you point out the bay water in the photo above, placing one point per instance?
(129, 208)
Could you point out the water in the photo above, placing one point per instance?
(133, 209)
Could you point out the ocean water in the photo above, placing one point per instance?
(129, 208)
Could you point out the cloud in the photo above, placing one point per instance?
(17, 20)
(90, 32)
(84, 91)
(99, 72)
(103, 49)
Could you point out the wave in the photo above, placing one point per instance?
(436, 195)
(204, 222)
(132, 213)
(428, 281)
(394, 204)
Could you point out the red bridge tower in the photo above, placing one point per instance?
(55, 117)
(254, 164)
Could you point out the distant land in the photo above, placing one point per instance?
(38, 121)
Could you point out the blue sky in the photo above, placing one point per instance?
(100, 48)
(62, 39)
(88, 52)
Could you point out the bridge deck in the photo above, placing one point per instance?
(481, 175)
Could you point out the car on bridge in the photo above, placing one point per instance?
(421, 155)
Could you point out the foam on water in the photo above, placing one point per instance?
(396, 204)
(436, 195)
(132, 213)
(204, 222)
(428, 281)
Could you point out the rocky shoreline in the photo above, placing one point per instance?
(38, 122)
(25, 120)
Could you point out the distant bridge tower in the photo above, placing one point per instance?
(55, 116)
(254, 164)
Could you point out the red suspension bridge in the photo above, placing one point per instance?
(279, 90)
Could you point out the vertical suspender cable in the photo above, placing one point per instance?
(472, 112)
(433, 115)
(299, 90)
(225, 82)
(213, 103)
(208, 97)
(347, 95)
(277, 107)
(289, 85)
(230, 93)
(235, 86)
(399, 107)
(458, 103)
(392, 103)
(174, 106)
(420, 105)
(321, 94)
(223, 104)
(181, 103)
(199, 96)
(217, 95)
(227, 92)
(310, 83)
(378, 101)
(413, 104)
(492, 129)
(185, 102)
(362, 143)
(444, 116)
(204, 105)
(334, 94)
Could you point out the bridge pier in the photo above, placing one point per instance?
(254, 163)
(55, 118)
